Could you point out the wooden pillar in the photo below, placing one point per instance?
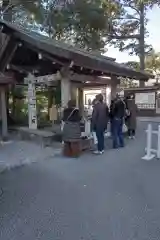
(74, 93)
(108, 95)
(65, 87)
(80, 101)
(114, 84)
(103, 92)
(4, 114)
(65, 92)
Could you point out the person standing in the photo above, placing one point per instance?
(100, 117)
(92, 127)
(111, 116)
(118, 115)
(132, 118)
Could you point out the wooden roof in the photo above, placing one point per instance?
(149, 88)
(67, 53)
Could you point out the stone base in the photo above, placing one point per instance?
(86, 144)
(42, 137)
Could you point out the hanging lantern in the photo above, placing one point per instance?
(39, 56)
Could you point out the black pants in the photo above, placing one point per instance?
(131, 132)
(100, 139)
(118, 139)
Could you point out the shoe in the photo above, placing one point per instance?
(98, 152)
(101, 152)
(133, 137)
(130, 137)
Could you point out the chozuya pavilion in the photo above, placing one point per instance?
(34, 59)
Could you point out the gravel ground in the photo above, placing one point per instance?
(113, 196)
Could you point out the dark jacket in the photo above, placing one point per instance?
(111, 110)
(118, 109)
(100, 116)
(132, 121)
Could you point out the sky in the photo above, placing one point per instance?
(153, 28)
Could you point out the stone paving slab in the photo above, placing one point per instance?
(18, 153)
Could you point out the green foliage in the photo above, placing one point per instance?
(18, 92)
(80, 22)
(27, 13)
(127, 30)
(133, 64)
(152, 63)
(91, 24)
(127, 83)
(84, 22)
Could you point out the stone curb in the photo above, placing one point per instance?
(7, 167)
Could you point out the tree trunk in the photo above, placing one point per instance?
(142, 42)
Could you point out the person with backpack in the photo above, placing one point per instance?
(118, 117)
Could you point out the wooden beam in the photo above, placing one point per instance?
(96, 85)
(8, 54)
(53, 59)
(4, 39)
(18, 68)
(87, 78)
(75, 78)
(46, 55)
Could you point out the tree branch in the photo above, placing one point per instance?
(134, 18)
(7, 8)
(136, 36)
(134, 8)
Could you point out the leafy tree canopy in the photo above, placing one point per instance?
(91, 24)
(152, 63)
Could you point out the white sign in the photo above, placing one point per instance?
(32, 112)
(145, 98)
(44, 79)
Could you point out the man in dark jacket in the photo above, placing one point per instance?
(100, 118)
(111, 116)
(118, 115)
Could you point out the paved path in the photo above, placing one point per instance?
(17, 153)
(109, 197)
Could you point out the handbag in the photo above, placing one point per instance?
(128, 113)
(95, 141)
(62, 122)
(124, 128)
